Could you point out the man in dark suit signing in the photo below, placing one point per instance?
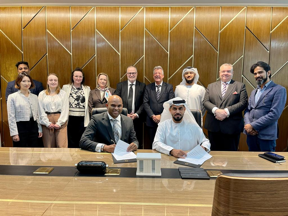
(155, 95)
(224, 101)
(132, 92)
(23, 66)
(105, 129)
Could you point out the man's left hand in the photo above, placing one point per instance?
(132, 147)
(220, 114)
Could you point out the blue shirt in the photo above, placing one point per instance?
(260, 91)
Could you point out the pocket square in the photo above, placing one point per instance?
(235, 92)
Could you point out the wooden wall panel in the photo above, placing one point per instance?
(157, 23)
(254, 52)
(34, 38)
(230, 51)
(90, 74)
(107, 60)
(58, 23)
(155, 55)
(227, 14)
(127, 13)
(258, 21)
(281, 78)
(107, 23)
(83, 38)
(180, 53)
(140, 69)
(237, 70)
(132, 41)
(203, 52)
(59, 61)
(29, 13)
(40, 72)
(208, 25)
(177, 13)
(10, 24)
(77, 13)
(278, 15)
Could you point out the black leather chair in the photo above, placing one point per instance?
(198, 116)
(104, 109)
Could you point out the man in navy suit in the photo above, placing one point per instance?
(132, 92)
(155, 95)
(23, 66)
(266, 104)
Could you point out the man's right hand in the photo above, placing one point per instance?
(109, 148)
(178, 153)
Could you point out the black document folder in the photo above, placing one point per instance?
(123, 161)
(187, 164)
(193, 173)
(271, 159)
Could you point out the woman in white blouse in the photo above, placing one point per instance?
(22, 107)
(53, 112)
(78, 95)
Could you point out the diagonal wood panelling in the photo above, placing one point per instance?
(132, 41)
(203, 52)
(258, 21)
(90, 74)
(107, 23)
(140, 69)
(155, 55)
(157, 23)
(107, 60)
(34, 39)
(208, 25)
(40, 72)
(237, 70)
(278, 15)
(254, 51)
(28, 13)
(279, 47)
(281, 78)
(83, 38)
(60, 27)
(227, 14)
(180, 53)
(177, 13)
(10, 24)
(77, 13)
(233, 32)
(59, 61)
(127, 13)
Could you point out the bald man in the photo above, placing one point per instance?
(105, 129)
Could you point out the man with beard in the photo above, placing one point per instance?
(265, 106)
(178, 131)
(224, 101)
(190, 91)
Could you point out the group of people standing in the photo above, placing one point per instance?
(30, 117)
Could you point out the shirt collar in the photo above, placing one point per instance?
(131, 83)
(226, 82)
(110, 117)
(265, 86)
(160, 84)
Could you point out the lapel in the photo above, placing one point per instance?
(123, 129)
(97, 94)
(125, 93)
(231, 88)
(163, 89)
(266, 91)
(153, 90)
(218, 90)
(107, 125)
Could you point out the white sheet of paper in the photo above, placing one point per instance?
(196, 156)
(120, 151)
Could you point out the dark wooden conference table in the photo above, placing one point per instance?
(28, 194)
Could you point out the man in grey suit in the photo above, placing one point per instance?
(105, 129)
(224, 101)
(266, 104)
(155, 95)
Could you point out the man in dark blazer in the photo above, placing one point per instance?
(155, 95)
(265, 106)
(224, 101)
(23, 66)
(132, 92)
(105, 129)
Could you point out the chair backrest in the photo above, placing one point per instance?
(104, 109)
(265, 194)
(198, 116)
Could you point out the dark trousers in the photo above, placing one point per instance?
(138, 127)
(223, 142)
(75, 130)
(151, 134)
(28, 134)
(256, 144)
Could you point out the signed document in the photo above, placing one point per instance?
(120, 152)
(196, 156)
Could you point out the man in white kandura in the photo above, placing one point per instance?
(190, 91)
(178, 131)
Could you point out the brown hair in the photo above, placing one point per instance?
(108, 82)
(20, 78)
(47, 91)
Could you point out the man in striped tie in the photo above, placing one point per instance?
(224, 101)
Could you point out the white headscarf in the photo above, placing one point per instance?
(190, 69)
(188, 116)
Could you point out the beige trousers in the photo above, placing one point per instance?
(53, 138)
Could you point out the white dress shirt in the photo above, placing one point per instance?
(52, 104)
(21, 108)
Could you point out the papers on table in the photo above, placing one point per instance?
(120, 151)
(196, 156)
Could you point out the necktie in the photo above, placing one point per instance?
(224, 89)
(116, 130)
(158, 91)
(130, 98)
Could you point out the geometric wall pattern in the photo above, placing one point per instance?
(108, 39)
